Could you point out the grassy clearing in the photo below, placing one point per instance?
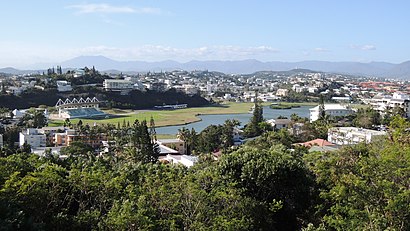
(165, 136)
(163, 118)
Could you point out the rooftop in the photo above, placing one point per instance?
(331, 107)
(358, 130)
(168, 141)
(316, 142)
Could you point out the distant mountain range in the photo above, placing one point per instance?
(379, 69)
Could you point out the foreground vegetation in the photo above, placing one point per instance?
(263, 185)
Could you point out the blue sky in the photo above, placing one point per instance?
(184, 30)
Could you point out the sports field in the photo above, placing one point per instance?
(163, 117)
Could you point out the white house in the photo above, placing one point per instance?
(1, 140)
(185, 160)
(278, 124)
(352, 135)
(176, 144)
(63, 86)
(17, 114)
(331, 110)
(34, 137)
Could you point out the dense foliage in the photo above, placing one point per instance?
(266, 184)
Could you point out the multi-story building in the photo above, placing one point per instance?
(70, 135)
(176, 144)
(352, 135)
(331, 110)
(384, 103)
(64, 138)
(63, 86)
(34, 137)
(117, 85)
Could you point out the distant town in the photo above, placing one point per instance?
(343, 97)
(82, 117)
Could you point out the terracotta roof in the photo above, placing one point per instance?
(316, 142)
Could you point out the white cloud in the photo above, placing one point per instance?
(156, 52)
(320, 49)
(24, 55)
(107, 8)
(367, 47)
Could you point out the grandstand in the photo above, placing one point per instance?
(78, 108)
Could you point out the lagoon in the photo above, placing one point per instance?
(207, 120)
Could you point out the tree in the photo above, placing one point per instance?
(364, 187)
(209, 139)
(184, 135)
(366, 118)
(253, 129)
(227, 133)
(39, 120)
(322, 111)
(141, 147)
(67, 122)
(274, 177)
(4, 113)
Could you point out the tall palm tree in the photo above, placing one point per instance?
(184, 135)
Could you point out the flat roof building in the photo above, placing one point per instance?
(331, 110)
(352, 135)
(32, 136)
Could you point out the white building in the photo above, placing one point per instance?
(1, 140)
(282, 92)
(383, 103)
(117, 85)
(331, 110)
(187, 161)
(63, 86)
(34, 137)
(176, 144)
(17, 114)
(312, 89)
(352, 135)
(41, 151)
(278, 124)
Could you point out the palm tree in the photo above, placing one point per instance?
(184, 135)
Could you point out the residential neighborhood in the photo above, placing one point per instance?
(342, 96)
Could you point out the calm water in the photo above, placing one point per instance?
(243, 118)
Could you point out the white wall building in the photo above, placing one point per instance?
(176, 144)
(278, 124)
(1, 140)
(117, 85)
(352, 135)
(187, 161)
(17, 114)
(383, 103)
(332, 110)
(282, 92)
(63, 86)
(34, 137)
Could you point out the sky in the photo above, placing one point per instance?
(47, 31)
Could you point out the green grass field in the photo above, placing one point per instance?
(163, 118)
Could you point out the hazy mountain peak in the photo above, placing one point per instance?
(381, 69)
